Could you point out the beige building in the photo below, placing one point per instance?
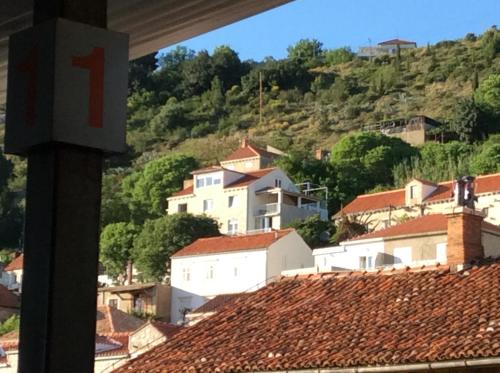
(245, 194)
(420, 197)
(149, 299)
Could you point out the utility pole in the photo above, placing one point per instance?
(261, 98)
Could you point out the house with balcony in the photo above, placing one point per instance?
(244, 193)
(420, 197)
(213, 266)
(425, 240)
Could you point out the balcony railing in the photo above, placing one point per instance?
(267, 209)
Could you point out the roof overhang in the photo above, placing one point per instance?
(152, 25)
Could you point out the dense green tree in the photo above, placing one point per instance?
(487, 159)
(436, 162)
(466, 122)
(116, 243)
(197, 74)
(306, 52)
(338, 56)
(487, 96)
(226, 65)
(140, 72)
(147, 190)
(9, 325)
(314, 231)
(364, 160)
(114, 204)
(161, 238)
(171, 115)
(347, 229)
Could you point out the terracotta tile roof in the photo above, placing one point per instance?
(221, 244)
(250, 177)
(128, 288)
(7, 298)
(248, 151)
(207, 169)
(382, 200)
(112, 320)
(396, 41)
(246, 179)
(218, 302)
(15, 264)
(343, 321)
(421, 225)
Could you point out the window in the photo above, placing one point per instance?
(210, 273)
(113, 303)
(235, 271)
(205, 181)
(232, 226)
(208, 205)
(216, 181)
(200, 182)
(413, 191)
(234, 201)
(277, 183)
(186, 274)
(365, 262)
(208, 181)
(182, 207)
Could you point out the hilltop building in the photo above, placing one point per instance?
(232, 264)
(244, 193)
(388, 47)
(418, 198)
(415, 131)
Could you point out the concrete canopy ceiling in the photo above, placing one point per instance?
(151, 24)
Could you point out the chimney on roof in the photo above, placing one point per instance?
(244, 142)
(464, 242)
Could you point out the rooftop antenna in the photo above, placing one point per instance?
(370, 49)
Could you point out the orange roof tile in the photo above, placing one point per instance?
(396, 41)
(248, 151)
(219, 301)
(165, 328)
(342, 321)
(250, 177)
(221, 244)
(420, 225)
(184, 192)
(112, 320)
(395, 198)
(15, 264)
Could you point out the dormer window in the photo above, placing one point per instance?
(277, 183)
(206, 181)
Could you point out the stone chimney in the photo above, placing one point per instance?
(244, 142)
(464, 235)
(187, 183)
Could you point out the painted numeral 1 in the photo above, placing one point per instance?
(30, 68)
(94, 62)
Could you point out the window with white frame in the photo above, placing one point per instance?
(186, 274)
(413, 191)
(365, 262)
(232, 226)
(207, 180)
(208, 205)
(277, 183)
(234, 201)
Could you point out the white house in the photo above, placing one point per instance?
(244, 194)
(232, 264)
(388, 47)
(423, 240)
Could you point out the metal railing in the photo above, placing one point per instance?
(267, 209)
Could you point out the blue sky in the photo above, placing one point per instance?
(351, 23)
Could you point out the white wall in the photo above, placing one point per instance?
(347, 256)
(289, 252)
(233, 272)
